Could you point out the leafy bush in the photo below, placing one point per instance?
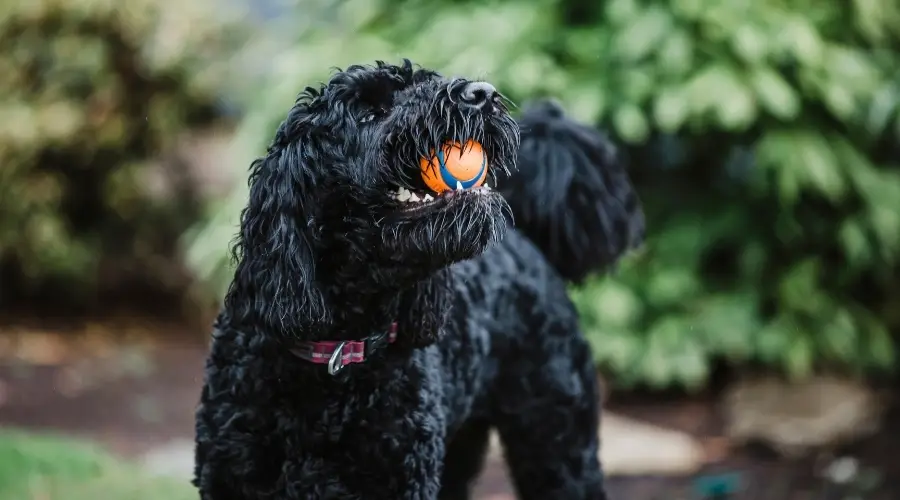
(763, 137)
(90, 91)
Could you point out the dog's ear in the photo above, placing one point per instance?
(275, 279)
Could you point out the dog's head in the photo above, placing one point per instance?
(338, 206)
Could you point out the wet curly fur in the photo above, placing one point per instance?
(487, 337)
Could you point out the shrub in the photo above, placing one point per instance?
(90, 92)
(761, 133)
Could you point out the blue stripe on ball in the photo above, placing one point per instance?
(450, 180)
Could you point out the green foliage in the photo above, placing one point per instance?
(90, 91)
(763, 137)
(51, 468)
(766, 151)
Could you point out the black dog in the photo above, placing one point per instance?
(375, 332)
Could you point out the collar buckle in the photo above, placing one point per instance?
(336, 361)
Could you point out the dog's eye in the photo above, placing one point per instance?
(373, 114)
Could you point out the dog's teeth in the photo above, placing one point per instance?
(459, 186)
(413, 197)
(403, 194)
(427, 198)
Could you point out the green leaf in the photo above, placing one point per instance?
(683, 241)
(676, 55)
(638, 85)
(630, 123)
(799, 289)
(775, 94)
(672, 286)
(870, 17)
(691, 365)
(884, 106)
(822, 169)
(839, 337)
(619, 350)
(774, 339)
(704, 90)
(799, 357)
(750, 43)
(355, 14)
(860, 170)
(753, 260)
(885, 223)
(803, 40)
(771, 153)
(881, 345)
(670, 110)
(840, 100)
(666, 338)
(852, 67)
(689, 9)
(737, 107)
(617, 305)
(584, 44)
(855, 243)
(643, 34)
(586, 103)
(802, 159)
(620, 12)
(788, 186)
(728, 323)
(529, 70)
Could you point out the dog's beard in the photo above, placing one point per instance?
(460, 227)
(382, 246)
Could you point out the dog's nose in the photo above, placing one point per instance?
(477, 94)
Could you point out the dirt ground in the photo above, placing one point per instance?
(136, 396)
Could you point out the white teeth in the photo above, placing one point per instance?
(406, 196)
(459, 186)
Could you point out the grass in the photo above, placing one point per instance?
(37, 467)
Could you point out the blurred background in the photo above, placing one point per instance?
(750, 348)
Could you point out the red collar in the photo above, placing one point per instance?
(339, 353)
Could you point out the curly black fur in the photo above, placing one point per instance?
(571, 194)
(487, 336)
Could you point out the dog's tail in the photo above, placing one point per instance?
(571, 194)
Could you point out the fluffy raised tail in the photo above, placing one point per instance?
(571, 194)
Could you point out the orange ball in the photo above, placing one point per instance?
(455, 166)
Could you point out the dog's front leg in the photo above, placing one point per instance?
(423, 470)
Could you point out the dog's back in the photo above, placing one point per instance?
(571, 195)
